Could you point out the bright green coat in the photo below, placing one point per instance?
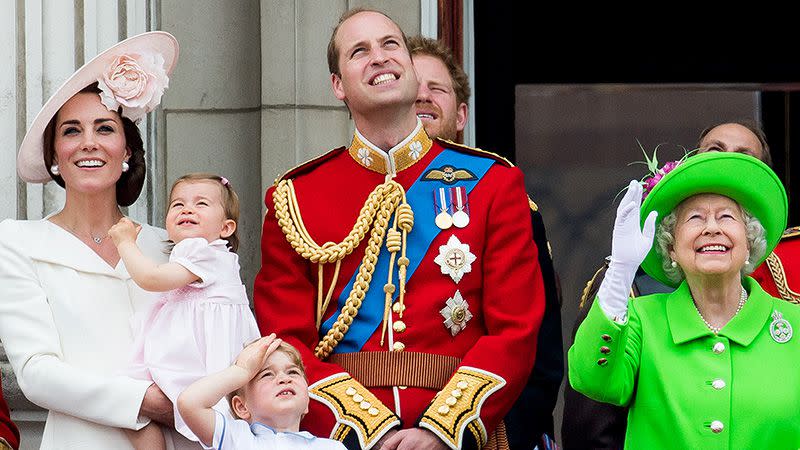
(664, 363)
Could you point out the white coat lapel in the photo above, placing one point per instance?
(55, 245)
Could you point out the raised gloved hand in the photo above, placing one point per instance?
(629, 247)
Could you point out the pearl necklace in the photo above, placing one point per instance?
(715, 330)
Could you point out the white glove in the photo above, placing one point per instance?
(629, 247)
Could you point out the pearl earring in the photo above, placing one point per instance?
(54, 170)
(673, 264)
(747, 262)
(125, 166)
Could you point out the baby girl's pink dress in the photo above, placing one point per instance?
(195, 330)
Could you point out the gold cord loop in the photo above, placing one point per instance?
(384, 201)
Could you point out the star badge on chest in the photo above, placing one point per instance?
(456, 314)
(455, 259)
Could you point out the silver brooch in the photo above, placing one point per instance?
(456, 314)
(455, 259)
(780, 329)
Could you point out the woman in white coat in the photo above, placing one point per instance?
(66, 299)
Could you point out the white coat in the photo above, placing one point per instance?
(65, 324)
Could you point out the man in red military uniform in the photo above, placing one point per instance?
(9, 435)
(402, 267)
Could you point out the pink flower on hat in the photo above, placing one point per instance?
(134, 81)
(650, 182)
(655, 174)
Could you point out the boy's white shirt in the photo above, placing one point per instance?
(240, 435)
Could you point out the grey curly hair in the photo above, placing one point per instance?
(665, 238)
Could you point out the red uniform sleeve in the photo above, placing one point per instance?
(285, 304)
(8, 431)
(494, 371)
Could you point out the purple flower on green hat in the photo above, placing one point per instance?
(655, 173)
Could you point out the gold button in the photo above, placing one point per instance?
(373, 412)
(399, 326)
(358, 398)
(365, 405)
(450, 401)
(350, 392)
(456, 393)
(717, 426)
(602, 362)
(605, 350)
(398, 346)
(462, 385)
(606, 338)
(718, 348)
(443, 410)
(397, 308)
(718, 384)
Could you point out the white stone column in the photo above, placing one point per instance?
(8, 110)
(212, 110)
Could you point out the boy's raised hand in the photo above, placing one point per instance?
(124, 231)
(255, 354)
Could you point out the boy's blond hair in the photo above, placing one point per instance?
(290, 351)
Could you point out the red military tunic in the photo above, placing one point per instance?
(779, 275)
(503, 290)
(9, 435)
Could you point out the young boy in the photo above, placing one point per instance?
(269, 394)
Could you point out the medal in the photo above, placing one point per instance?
(780, 329)
(455, 259)
(443, 218)
(461, 215)
(456, 314)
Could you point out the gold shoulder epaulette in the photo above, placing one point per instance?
(308, 165)
(791, 232)
(475, 151)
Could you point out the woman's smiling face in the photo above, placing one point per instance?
(710, 236)
(89, 144)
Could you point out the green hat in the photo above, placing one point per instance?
(746, 180)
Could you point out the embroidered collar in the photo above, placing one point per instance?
(401, 156)
(258, 428)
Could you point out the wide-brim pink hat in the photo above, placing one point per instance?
(139, 53)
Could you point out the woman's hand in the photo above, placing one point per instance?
(157, 406)
(631, 244)
(124, 231)
(253, 357)
(629, 247)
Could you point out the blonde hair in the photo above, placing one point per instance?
(285, 348)
(230, 201)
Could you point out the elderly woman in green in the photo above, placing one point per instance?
(713, 364)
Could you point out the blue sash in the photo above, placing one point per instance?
(420, 198)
